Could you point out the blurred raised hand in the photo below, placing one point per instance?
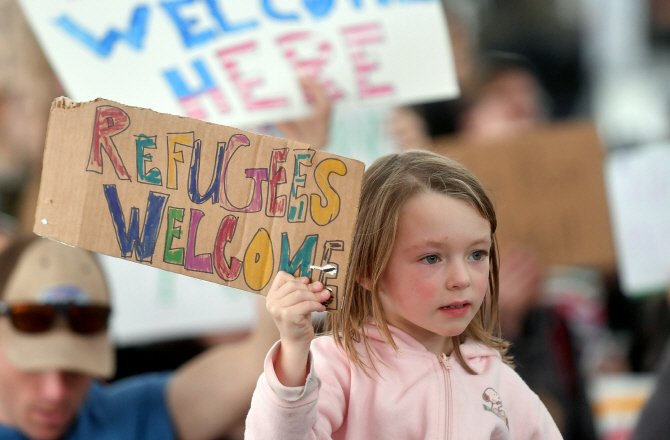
(521, 275)
(408, 129)
(314, 129)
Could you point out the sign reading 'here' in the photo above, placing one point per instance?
(237, 62)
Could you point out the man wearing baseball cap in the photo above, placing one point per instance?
(55, 349)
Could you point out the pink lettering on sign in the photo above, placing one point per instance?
(202, 262)
(191, 93)
(227, 271)
(358, 38)
(193, 107)
(309, 57)
(231, 64)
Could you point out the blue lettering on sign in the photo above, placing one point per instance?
(273, 13)
(129, 238)
(228, 27)
(319, 8)
(358, 4)
(179, 86)
(194, 175)
(134, 36)
(185, 25)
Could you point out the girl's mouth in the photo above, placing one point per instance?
(454, 306)
(456, 310)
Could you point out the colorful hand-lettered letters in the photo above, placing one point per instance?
(188, 196)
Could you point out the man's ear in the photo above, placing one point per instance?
(366, 283)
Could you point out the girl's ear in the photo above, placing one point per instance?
(366, 283)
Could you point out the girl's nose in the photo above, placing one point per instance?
(458, 277)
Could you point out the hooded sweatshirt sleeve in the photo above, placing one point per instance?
(545, 427)
(530, 419)
(313, 411)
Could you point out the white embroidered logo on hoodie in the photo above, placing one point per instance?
(490, 395)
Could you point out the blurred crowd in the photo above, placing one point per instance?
(520, 64)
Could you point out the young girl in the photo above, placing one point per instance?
(414, 353)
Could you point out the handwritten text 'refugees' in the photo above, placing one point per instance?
(258, 262)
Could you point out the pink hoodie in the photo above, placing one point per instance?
(418, 396)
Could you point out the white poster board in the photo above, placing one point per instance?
(236, 62)
(638, 187)
(153, 305)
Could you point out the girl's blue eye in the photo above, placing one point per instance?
(477, 255)
(430, 259)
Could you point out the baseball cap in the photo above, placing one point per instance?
(49, 272)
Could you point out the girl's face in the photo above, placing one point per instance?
(437, 275)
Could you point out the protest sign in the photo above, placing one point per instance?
(153, 305)
(237, 62)
(195, 198)
(638, 187)
(548, 189)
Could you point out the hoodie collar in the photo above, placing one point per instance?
(476, 355)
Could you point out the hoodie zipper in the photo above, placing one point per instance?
(444, 360)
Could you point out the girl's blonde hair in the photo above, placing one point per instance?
(387, 185)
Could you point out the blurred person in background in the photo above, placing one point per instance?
(55, 350)
(8, 230)
(544, 347)
(510, 99)
(27, 88)
(654, 422)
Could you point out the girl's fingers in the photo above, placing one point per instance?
(300, 312)
(297, 296)
(287, 292)
(324, 295)
(284, 277)
(298, 303)
(288, 289)
(287, 284)
(308, 307)
(316, 286)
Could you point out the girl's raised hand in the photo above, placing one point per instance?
(291, 302)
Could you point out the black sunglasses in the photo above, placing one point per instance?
(39, 318)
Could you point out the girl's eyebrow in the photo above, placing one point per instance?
(486, 240)
(439, 243)
(429, 243)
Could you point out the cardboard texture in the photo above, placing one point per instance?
(548, 189)
(195, 198)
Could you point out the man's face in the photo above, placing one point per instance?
(39, 404)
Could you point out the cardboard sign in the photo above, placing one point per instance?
(237, 62)
(548, 190)
(191, 197)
